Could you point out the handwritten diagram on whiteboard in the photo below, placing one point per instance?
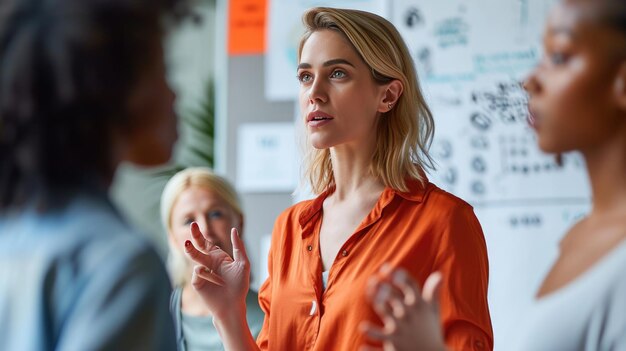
(471, 61)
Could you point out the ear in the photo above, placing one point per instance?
(392, 93)
(619, 87)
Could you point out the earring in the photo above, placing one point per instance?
(389, 105)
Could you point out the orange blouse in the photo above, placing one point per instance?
(423, 230)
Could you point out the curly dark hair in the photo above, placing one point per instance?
(67, 68)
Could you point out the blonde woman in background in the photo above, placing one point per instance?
(369, 129)
(199, 195)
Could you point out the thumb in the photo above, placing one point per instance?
(431, 290)
(239, 249)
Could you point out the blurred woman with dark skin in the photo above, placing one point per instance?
(577, 103)
(82, 88)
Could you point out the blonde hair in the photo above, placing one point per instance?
(177, 263)
(405, 133)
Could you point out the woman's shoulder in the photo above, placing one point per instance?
(435, 196)
(87, 236)
(302, 210)
(296, 208)
(427, 196)
(97, 226)
(84, 223)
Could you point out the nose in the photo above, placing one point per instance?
(531, 83)
(317, 92)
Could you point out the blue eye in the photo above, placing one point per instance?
(188, 221)
(304, 77)
(215, 214)
(338, 74)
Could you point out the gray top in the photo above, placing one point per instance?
(195, 333)
(78, 278)
(587, 314)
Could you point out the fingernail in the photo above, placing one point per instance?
(187, 244)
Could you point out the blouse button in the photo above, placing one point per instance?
(310, 248)
(344, 253)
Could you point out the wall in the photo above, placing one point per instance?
(247, 104)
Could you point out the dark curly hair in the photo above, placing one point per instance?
(67, 68)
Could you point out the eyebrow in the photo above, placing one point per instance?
(327, 63)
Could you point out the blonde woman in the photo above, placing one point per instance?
(199, 195)
(369, 130)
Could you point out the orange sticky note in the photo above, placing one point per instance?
(246, 27)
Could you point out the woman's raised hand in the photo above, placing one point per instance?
(221, 280)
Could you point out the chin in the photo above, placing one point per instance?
(319, 144)
(551, 147)
(319, 147)
(546, 147)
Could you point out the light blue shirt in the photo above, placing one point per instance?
(588, 314)
(78, 278)
(195, 333)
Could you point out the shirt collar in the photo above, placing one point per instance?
(416, 193)
(417, 189)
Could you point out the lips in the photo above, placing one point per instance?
(533, 120)
(318, 119)
(318, 116)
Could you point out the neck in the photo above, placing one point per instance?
(352, 171)
(191, 302)
(606, 166)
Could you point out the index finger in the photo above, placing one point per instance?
(199, 240)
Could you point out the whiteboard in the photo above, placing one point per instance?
(471, 57)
